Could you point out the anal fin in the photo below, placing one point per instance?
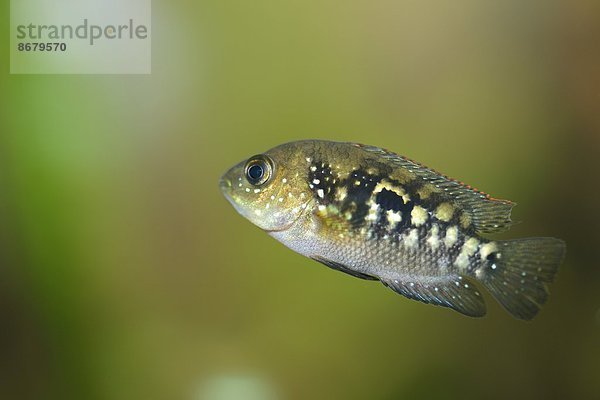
(454, 292)
(343, 268)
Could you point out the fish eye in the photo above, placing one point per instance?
(258, 170)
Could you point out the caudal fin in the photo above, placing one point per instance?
(518, 272)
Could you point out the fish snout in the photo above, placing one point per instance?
(225, 185)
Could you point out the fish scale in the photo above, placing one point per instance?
(376, 215)
(361, 195)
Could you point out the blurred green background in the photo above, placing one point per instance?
(124, 274)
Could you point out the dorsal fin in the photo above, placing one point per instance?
(488, 215)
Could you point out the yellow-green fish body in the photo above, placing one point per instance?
(377, 215)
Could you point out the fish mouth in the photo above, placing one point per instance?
(225, 185)
(226, 188)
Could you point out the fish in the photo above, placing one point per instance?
(377, 215)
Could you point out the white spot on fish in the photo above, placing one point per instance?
(470, 246)
(280, 199)
(247, 190)
(418, 216)
(451, 236)
(256, 190)
(372, 214)
(393, 217)
(479, 273)
(462, 261)
(468, 249)
(384, 184)
(284, 180)
(433, 239)
(444, 212)
(412, 239)
(320, 193)
(313, 168)
(316, 181)
(307, 159)
(487, 249)
(272, 197)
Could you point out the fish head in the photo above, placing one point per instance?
(269, 189)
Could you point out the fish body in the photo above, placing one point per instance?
(376, 215)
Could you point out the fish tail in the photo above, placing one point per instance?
(517, 274)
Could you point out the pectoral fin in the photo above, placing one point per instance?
(343, 268)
